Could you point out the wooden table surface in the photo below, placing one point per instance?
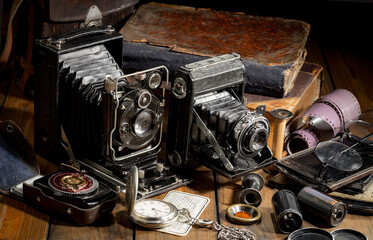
(20, 221)
(346, 65)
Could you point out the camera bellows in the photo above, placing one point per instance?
(82, 76)
(106, 113)
(230, 122)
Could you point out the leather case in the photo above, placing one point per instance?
(19, 170)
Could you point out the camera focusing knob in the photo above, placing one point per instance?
(159, 167)
(110, 84)
(174, 158)
(143, 98)
(154, 80)
(180, 88)
(141, 174)
(124, 128)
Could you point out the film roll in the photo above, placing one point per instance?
(287, 212)
(324, 120)
(318, 206)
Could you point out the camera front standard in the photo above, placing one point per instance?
(209, 121)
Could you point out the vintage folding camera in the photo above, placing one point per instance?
(112, 120)
(209, 121)
(77, 196)
(333, 164)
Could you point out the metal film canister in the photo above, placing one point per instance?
(287, 212)
(252, 184)
(321, 207)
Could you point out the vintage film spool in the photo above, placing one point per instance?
(287, 212)
(280, 116)
(325, 119)
(321, 207)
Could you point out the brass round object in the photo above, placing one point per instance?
(243, 214)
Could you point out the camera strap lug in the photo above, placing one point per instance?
(93, 18)
(215, 145)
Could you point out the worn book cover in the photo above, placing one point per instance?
(273, 49)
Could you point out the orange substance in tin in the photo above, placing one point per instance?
(242, 214)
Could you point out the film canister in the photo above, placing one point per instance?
(287, 212)
(320, 207)
(252, 184)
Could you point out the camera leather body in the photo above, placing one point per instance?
(47, 85)
(112, 121)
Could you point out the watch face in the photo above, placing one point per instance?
(154, 213)
(153, 208)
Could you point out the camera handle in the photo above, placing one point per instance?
(58, 42)
(227, 164)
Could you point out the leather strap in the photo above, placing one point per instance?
(9, 36)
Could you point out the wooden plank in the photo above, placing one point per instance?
(351, 69)
(20, 221)
(114, 226)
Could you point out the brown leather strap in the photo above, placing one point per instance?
(9, 36)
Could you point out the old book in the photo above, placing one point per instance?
(273, 49)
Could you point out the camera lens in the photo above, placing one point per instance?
(142, 123)
(254, 138)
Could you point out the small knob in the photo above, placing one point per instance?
(141, 174)
(159, 167)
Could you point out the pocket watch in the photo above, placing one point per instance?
(149, 213)
(155, 213)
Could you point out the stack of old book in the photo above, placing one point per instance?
(272, 49)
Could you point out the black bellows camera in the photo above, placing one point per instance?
(113, 121)
(208, 119)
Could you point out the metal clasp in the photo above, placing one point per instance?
(57, 43)
(206, 223)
